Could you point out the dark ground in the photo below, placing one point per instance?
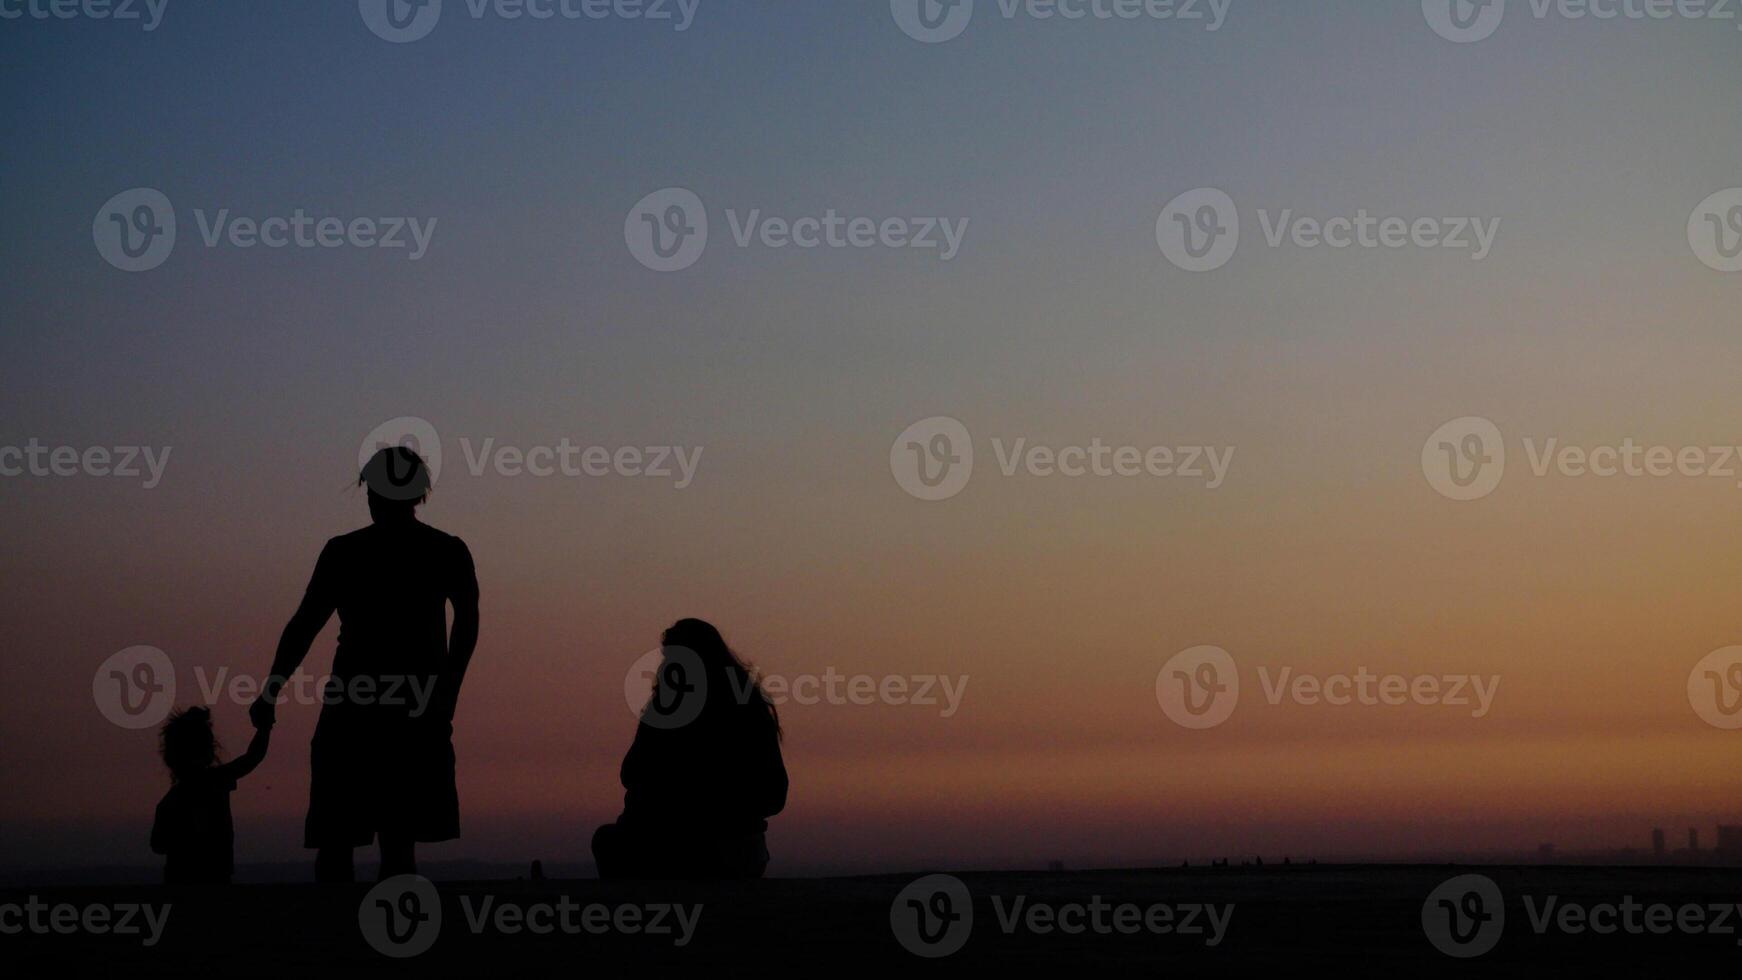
(1357, 921)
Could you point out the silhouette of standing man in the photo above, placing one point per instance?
(382, 759)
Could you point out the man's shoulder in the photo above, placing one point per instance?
(347, 541)
(423, 538)
(442, 539)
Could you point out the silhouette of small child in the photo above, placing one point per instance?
(193, 829)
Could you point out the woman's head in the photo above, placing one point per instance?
(397, 479)
(727, 674)
(186, 742)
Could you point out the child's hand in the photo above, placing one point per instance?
(263, 713)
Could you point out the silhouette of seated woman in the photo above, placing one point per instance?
(382, 760)
(704, 772)
(193, 829)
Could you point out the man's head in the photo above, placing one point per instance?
(397, 480)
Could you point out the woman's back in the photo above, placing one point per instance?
(700, 780)
(721, 774)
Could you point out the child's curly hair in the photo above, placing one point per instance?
(186, 742)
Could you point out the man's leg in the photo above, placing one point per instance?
(398, 857)
(333, 866)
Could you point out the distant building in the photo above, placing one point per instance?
(1659, 847)
(1730, 840)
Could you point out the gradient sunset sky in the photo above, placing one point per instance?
(529, 321)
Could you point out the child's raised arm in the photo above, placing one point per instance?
(245, 763)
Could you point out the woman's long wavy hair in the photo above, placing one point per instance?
(721, 664)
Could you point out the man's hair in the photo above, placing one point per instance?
(396, 473)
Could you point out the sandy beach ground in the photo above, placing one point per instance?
(1241, 921)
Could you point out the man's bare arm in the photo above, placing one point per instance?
(462, 639)
(461, 643)
(293, 645)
